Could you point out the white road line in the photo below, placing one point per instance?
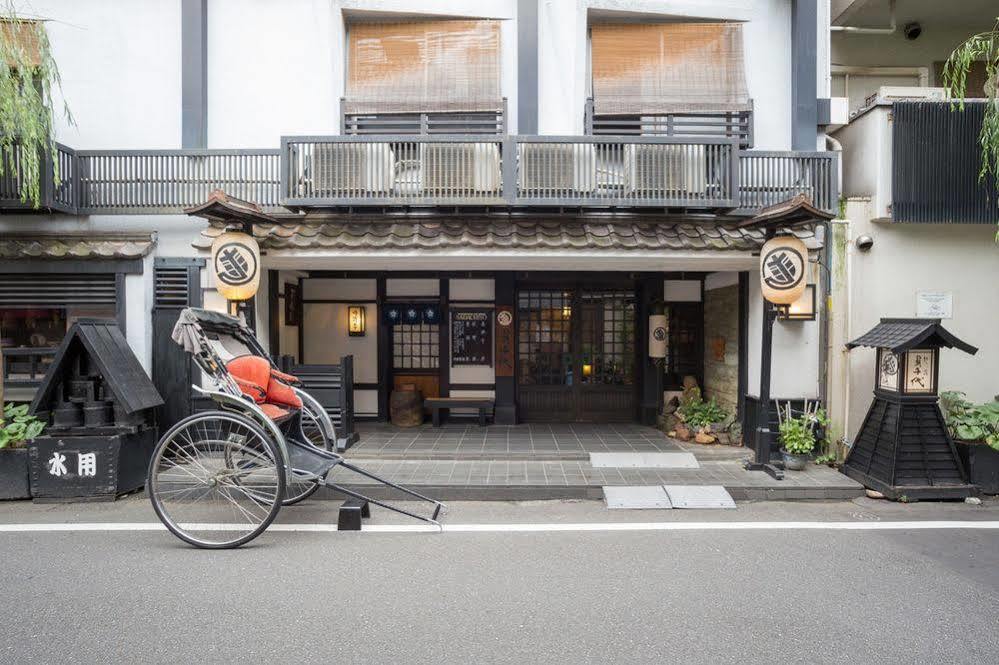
(525, 528)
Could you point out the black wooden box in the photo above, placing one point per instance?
(14, 474)
(99, 467)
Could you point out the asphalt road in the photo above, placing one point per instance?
(704, 595)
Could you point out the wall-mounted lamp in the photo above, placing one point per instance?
(802, 309)
(355, 321)
(587, 370)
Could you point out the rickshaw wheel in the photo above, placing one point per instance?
(312, 432)
(200, 495)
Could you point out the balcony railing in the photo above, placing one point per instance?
(54, 194)
(695, 173)
(734, 124)
(149, 181)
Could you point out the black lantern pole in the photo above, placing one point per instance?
(763, 436)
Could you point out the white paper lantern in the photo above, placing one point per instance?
(782, 269)
(236, 265)
(657, 336)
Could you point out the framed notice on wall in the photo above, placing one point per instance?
(471, 337)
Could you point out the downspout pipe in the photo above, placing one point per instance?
(890, 30)
(825, 275)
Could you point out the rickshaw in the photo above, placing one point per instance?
(218, 478)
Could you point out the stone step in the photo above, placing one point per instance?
(511, 480)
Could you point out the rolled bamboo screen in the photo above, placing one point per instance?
(668, 68)
(423, 66)
(23, 35)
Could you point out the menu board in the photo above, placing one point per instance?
(471, 337)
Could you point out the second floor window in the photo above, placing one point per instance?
(423, 77)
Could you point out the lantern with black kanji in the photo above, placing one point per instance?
(903, 448)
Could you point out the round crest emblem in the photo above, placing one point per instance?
(504, 318)
(659, 334)
(235, 263)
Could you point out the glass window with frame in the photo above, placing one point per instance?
(416, 346)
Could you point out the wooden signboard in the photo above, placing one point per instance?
(504, 341)
(471, 337)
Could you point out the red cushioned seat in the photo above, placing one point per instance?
(257, 379)
(275, 412)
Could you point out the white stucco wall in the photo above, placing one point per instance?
(962, 259)
(121, 70)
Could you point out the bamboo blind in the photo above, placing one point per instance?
(668, 68)
(24, 35)
(423, 66)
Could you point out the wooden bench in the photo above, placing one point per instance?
(438, 404)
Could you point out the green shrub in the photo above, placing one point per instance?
(971, 422)
(17, 427)
(698, 413)
(797, 435)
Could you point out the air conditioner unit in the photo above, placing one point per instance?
(660, 170)
(352, 170)
(448, 169)
(557, 169)
(898, 93)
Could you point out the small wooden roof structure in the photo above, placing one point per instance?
(224, 209)
(112, 356)
(900, 335)
(796, 211)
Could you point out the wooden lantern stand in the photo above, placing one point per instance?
(903, 448)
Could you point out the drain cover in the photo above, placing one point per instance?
(636, 497)
(644, 461)
(699, 496)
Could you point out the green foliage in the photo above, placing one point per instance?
(797, 435)
(17, 427)
(28, 75)
(829, 459)
(971, 422)
(983, 47)
(698, 413)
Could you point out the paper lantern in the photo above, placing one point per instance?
(657, 336)
(236, 263)
(356, 325)
(782, 269)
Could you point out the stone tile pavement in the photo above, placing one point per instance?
(540, 461)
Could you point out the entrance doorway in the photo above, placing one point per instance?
(576, 354)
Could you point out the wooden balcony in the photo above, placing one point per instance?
(680, 173)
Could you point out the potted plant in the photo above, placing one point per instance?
(797, 434)
(17, 427)
(702, 417)
(975, 430)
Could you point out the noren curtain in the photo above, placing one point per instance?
(668, 68)
(423, 66)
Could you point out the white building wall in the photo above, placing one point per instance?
(120, 64)
(960, 259)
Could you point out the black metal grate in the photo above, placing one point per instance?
(685, 332)
(545, 337)
(608, 343)
(936, 158)
(416, 346)
(34, 290)
(475, 122)
(171, 287)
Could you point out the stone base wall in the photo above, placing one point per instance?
(721, 347)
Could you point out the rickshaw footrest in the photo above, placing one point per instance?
(351, 512)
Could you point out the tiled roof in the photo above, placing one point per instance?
(904, 334)
(75, 245)
(500, 234)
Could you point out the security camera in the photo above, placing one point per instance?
(864, 243)
(912, 30)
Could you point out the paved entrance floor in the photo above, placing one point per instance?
(532, 461)
(533, 442)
